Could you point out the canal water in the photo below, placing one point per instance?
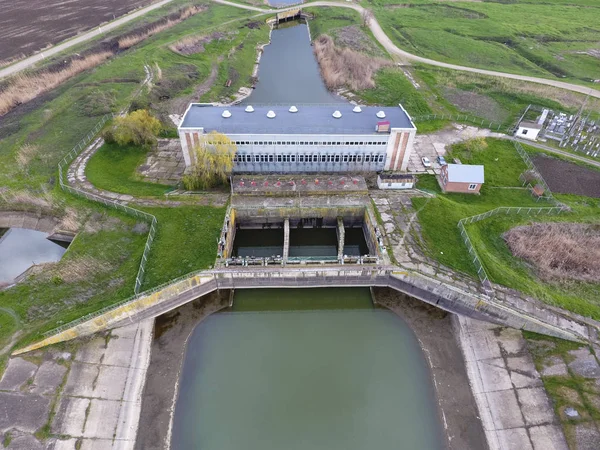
(21, 248)
(305, 369)
(288, 72)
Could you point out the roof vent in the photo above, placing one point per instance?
(249, 108)
(380, 114)
(293, 109)
(226, 114)
(271, 114)
(337, 114)
(357, 109)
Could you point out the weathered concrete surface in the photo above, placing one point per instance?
(171, 332)
(101, 400)
(423, 287)
(95, 395)
(434, 330)
(32, 221)
(513, 405)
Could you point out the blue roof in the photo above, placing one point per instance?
(310, 119)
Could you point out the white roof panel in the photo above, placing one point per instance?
(465, 173)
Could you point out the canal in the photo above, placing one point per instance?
(21, 248)
(305, 369)
(288, 72)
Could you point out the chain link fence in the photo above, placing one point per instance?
(63, 166)
(476, 260)
(465, 118)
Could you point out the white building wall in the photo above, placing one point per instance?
(527, 133)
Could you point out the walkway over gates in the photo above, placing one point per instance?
(172, 295)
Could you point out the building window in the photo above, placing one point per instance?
(279, 158)
(270, 158)
(472, 186)
(380, 158)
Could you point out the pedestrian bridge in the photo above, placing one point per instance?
(165, 298)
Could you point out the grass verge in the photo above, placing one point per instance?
(114, 168)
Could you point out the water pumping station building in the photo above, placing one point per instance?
(318, 138)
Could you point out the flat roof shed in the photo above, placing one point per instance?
(465, 173)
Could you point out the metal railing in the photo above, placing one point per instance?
(256, 273)
(64, 185)
(464, 118)
(531, 166)
(527, 211)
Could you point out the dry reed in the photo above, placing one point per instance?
(73, 270)
(344, 67)
(25, 154)
(559, 251)
(26, 87)
(130, 40)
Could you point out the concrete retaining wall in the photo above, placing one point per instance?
(423, 288)
(29, 220)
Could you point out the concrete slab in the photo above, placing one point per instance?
(513, 439)
(584, 363)
(548, 437)
(92, 352)
(127, 332)
(25, 442)
(81, 379)
(554, 366)
(512, 341)
(523, 381)
(17, 372)
(102, 419)
(494, 375)
(66, 444)
(70, 417)
(48, 378)
(97, 444)
(535, 406)
(118, 353)
(484, 346)
(23, 412)
(586, 435)
(110, 383)
(505, 409)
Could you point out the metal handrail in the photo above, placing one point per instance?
(67, 161)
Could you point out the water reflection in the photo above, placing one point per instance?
(21, 248)
(288, 71)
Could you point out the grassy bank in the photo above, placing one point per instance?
(114, 168)
(498, 35)
(438, 219)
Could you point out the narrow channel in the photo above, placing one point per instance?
(305, 369)
(288, 72)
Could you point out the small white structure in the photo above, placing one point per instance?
(528, 130)
(395, 181)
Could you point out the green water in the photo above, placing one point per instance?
(284, 370)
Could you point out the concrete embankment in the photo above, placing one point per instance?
(171, 332)
(429, 290)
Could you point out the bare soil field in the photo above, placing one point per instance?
(559, 251)
(478, 104)
(29, 26)
(567, 178)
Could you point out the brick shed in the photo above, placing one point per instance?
(462, 178)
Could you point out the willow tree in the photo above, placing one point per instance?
(213, 162)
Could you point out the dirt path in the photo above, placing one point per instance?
(405, 56)
(179, 105)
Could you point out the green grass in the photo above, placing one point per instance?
(439, 217)
(498, 35)
(428, 183)
(186, 241)
(391, 88)
(113, 168)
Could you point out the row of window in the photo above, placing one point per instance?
(320, 143)
(269, 158)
